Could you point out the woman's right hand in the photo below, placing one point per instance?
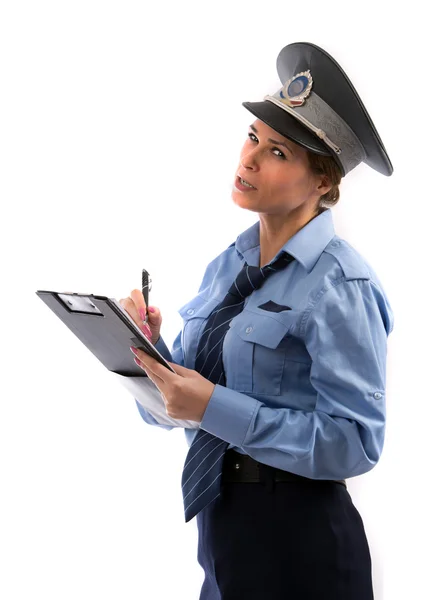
(134, 304)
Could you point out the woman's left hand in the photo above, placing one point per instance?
(186, 393)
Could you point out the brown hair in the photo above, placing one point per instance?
(326, 165)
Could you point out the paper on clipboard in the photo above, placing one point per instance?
(145, 391)
(149, 397)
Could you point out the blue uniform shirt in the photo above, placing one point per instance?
(305, 388)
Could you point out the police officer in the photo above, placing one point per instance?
(282, 361)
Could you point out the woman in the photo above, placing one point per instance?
(282, 361)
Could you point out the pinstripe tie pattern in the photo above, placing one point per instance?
(204, 461)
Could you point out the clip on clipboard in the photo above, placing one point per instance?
(104, 327)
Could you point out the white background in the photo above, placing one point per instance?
(121, 127)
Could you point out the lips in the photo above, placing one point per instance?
(250, 183)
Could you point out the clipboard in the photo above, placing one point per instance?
(105, 328)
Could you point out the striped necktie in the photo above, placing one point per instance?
(204, 461)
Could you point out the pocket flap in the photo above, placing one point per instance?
(264, 327)
(259, 329)
(198, 307)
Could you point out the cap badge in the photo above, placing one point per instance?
(295, 91)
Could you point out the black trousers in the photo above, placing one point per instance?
(283, 541)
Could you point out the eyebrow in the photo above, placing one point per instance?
(255, 130)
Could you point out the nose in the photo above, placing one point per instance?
(248, 161)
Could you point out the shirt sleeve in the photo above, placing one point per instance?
(345, 333)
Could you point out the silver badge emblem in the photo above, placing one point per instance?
(295, 91)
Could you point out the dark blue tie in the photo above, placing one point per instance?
(204, 461)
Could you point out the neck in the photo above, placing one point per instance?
(276, 230)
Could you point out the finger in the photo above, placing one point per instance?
(153, 365)
(151, 374)
(142, 365)
(146, 359)
(130, 307)
(138, 300)
(181, 371)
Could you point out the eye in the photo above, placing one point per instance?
(281, 155)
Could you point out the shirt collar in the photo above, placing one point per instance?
(306, 245)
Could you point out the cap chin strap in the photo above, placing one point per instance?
(317, 116)
(319, 132)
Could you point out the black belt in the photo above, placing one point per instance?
(243, 468)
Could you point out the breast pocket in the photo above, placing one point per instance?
(195, 315)
(259, 341)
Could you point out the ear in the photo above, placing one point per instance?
(324, 184)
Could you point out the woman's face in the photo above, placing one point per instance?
(279, 170)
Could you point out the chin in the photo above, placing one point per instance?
(247, 196)
(245, 203)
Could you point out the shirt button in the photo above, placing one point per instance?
(377, 395)
(190, 311)
(248, 329)
(237, 466)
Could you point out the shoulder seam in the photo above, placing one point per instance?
(345, 247)
(334, 283)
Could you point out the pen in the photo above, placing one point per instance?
(145, 290)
